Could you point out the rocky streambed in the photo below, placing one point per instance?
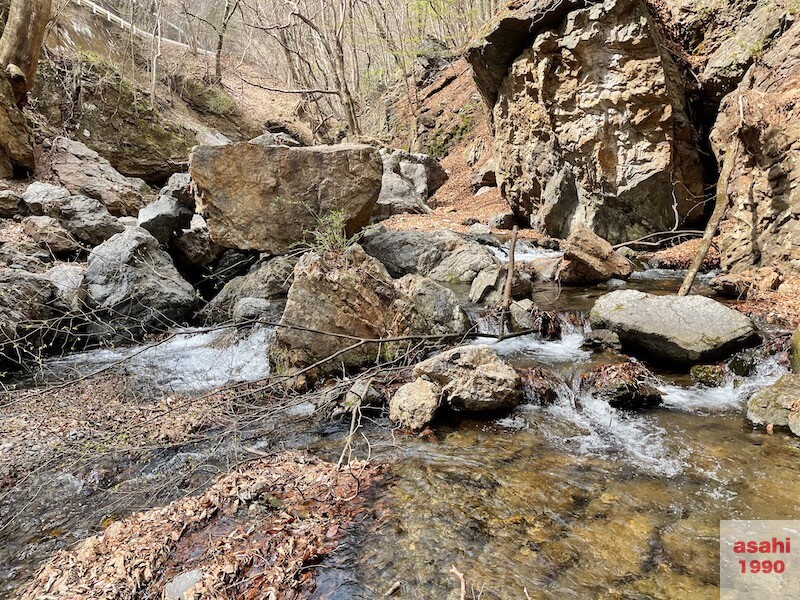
(570, 497)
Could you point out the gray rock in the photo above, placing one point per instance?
(84, 172)
(526, 316)
(398, 196)
(85, 218)
(270, 280)
(39, 194)
(25, 255)
(257, 309)
(276, 139)
(11, 204)
(269, 198)
(489, 286)
(128, 221)
(194, 247)
(502, 221)
(472, 379)
(179, 186)
(134, 285)
(415, 404)
(777, 404)
(479, 229)
(424, 172)
(443, 256)
(601, 339)
(164, 217)
(68, 279)
(177, 588)
(426, 306)
(486, 176)
(679, 330)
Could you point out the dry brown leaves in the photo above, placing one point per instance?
(252, 534)
(100, 414)
(682, 256)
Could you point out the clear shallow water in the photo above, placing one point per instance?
(571, 500)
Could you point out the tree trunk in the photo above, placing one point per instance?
(22, 40)
(716, 218)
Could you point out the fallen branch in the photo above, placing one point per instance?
(461, 580)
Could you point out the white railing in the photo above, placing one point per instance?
(115, 19)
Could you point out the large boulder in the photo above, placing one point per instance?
(584, 134)
(409, 180)
(133, 285)
(84, 172)
(193, 246)
(443, 256)
(473, 379)
(353, 297)
(269, 198)
(269, 281)
(763, 226)
(777, 404)
(68, 279)
(588, 258)
(163, 217)
(673, 329)
(39, 195)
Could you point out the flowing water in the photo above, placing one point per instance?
(571, 500)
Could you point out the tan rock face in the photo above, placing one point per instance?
(591, 127)
(591, 259)
(763, 221)
(267, 198)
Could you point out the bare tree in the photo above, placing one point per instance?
(21, 43)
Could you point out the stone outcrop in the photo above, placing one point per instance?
(588, 258)
(134, 287)
(590, 118)
(777, 404)
(409, 180)
(763, 226)
(269, 198)
(673, 329)
(353, 296)
(84, 172)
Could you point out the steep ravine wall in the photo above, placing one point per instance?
(603, 114)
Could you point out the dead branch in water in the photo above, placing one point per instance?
(509, 282)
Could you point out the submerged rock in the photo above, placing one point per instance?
(134, 286)
(269, 198)
(415, 404)
(673, 329)
(628, 385)
(588, 258)
(473, 379)
(777, 404)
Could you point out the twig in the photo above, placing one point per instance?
(463, 583)
(509, 282)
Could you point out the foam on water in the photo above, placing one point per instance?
(730, 396)
(567, 349)
(525, 252)
(193, 361)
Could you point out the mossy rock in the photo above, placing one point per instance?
(709, 375)
(108, 113)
